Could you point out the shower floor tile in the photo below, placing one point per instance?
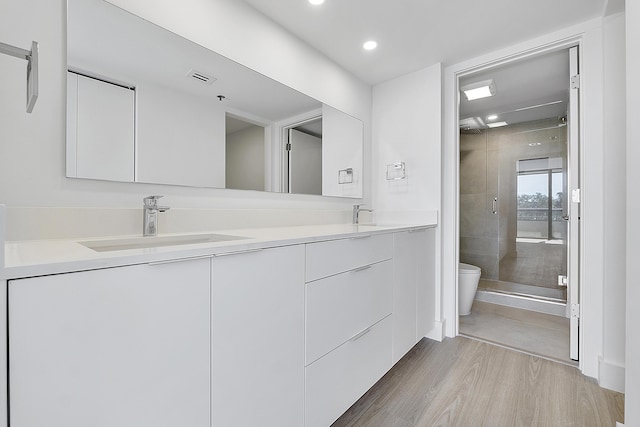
(540, 334)
(537, 264)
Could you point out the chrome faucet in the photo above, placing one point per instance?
(150, 215)
(356, 212)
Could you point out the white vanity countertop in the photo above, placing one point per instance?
(42, 257)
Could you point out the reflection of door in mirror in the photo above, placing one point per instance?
(304, 149)
(100, 129)
(244, 154)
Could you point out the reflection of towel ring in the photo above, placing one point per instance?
(32, 69)
(396, 171)
(345, 176)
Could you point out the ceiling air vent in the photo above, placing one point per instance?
(201, 77)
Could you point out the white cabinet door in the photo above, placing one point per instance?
(404, 293)
(425, 247)
(100, 129)
(257, 356)
(414, 288)
(119, 347)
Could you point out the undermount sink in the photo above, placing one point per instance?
(155, 241)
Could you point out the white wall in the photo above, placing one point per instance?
(611, 370)
(407, 127)
(632, 373)
(592, 219)
(32, 170)
(244, 167)
(180, 142)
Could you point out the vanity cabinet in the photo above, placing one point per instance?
(284, 336)
(414, 288)
(257, 354)
(126, 346)
(349, 302)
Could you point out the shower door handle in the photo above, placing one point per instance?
(565, 217)
(494, 205)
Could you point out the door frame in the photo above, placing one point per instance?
(280, 173)
(452, 89)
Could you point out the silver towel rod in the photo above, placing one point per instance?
(32, 69)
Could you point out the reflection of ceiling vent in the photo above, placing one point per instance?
(468, 131)
(201, 77)
(471, 125)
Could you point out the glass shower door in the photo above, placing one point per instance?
(532, 188)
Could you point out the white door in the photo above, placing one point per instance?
(305, 163)
(573, 214)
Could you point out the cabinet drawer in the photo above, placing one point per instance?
(336, 381)
(341, 306)
(337, 256)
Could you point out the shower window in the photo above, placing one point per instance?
(539, 200)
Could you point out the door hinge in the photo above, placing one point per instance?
(575, 81)
(576, 196)
(562, 280)
(575, 310)
(288, 147)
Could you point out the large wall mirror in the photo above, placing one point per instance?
(146, 105)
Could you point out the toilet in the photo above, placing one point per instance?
(468, 278)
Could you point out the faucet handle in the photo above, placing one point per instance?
(151, 201)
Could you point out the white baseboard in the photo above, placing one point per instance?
(611, 376)
(437, 332)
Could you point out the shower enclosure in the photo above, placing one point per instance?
(513, 205)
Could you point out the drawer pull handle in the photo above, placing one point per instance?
(361, 237)
(366, 267)
(361, 334)
(248, 251)
(174, 260)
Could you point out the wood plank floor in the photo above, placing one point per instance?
(464, 382)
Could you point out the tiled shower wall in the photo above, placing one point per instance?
(478, 186)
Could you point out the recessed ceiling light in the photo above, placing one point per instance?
(370, 45)
(492, 117)
(497, 124)
(534, 144)
(316, 2)
(479, 90)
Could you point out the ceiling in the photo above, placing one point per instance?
(527, 90)
(413, 34)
